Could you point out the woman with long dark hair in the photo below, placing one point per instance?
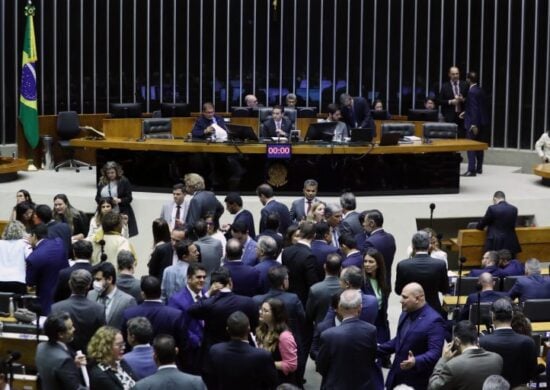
(63, 211)
(375, 284)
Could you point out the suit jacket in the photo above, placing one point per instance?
(320, 295)
(500, 220)
(238, 365)
(168, 207)
(384, 242)
(492, 269)
(518, 352)
(302, 272)
(343, 349)
(202, 123)
(513, 268)
(325, 324)
(62, 290)
(430, 273)
(274, 206)
(130, 285)
(445, 94)
(124, 191)
(161, 257)
(249, 253)
(121, 301)
(369, 309)
(43, 266)
(530, 287)
(355, 259)
(263, 268)
(247, 217)
(164, 320)
(269, 127)
(61, 230)
(424, 337)
(298, 209)
(141, 361)
(107, 380)
(211, 253)
(171, 378)
(57, 368)
(273, 234)
(350, 224)
(87, 317)
(485, 296)
(183, 300)
(360, 116)
(321, 249)
(202, 203)
(466, 371)
(476, 108)
(246, 279)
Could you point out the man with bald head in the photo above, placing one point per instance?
(452, 97)
(487, 294)
(418, 342)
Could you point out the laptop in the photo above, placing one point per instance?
(390, 139)
(361, 135)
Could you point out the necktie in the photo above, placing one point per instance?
(308, 206)
(456, 91)
(178, 211)
(335, 238)
(198, 297)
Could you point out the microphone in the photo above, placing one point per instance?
(462, 259)
(432, 207)
(12, 357)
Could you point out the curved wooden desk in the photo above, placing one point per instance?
(543, 170)
(10, 166)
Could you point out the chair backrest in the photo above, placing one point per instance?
(484, 311)
(264, 113)
(157, 128)
(468, 285)
(290, 113)
(307, 112)
(508, 282)
(537, 310)
(68, 125)
(439, 130)
(402, 128)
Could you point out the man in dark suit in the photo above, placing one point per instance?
(430, 273)
(321, 247)
(139, 337)
(376, 237)
(320, 293)
(452, 96)
(518, 351)
(216, 309)
(168, 376)
(500, 220)
(236, 364)
(211, 249)
(164, 255)
(183, 300)
(265, 194)
(508, 266)
(301, 207)
(245, 278)
(43, 214)
(87, 316)
(276, 126)
(346, 347)
(56, 364)
(531, 286)
(205, 126)
(272, 230)
(202, 203)
(351, 278)
(327, 323)
(267, 251)
(43, 265)
(356, 112)
(476, 119)
(234, 204)
(126, 280)
(487, 294)
(418, 342)
(82, 250)
(489, 262)
(300, 262)
(164, 319)
(350, 218)
(464, 365)
(239, 231)
(348, 247)
(333, 216)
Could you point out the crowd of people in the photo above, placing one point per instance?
(229, 307)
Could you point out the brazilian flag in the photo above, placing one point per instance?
(28, 107)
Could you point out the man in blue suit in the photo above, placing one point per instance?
(140, 358)
(321, 247)
(246, 279)
(346, 347)
(239, 231)
(489, 262)
(204, 126)
(43, 214)
(476, 118)
(348, 247)
(356, 112)
(507, 266)
(487, 294)
(277, 125)
(202, 203)
(164, 319)
(236, 364)
(500, 220)
(531, 286)
(265, 193)
(43, 265)
(418, 343)
(300, 207)
(267, 251)
(234, 204)
(183, 300)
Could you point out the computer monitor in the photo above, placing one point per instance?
(242, 112)
(306, 112)
(241, 133)
(171, 110)
(380, 114)
(125, 110)
(322, 131)
(423, 115)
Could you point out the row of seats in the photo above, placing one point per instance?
(537, 310)
(469, 285)
(430, 130)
